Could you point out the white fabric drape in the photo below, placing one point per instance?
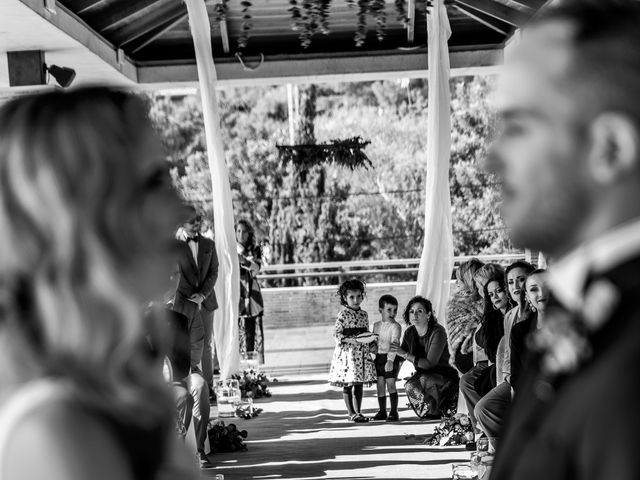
(225, 325)
(436, 262)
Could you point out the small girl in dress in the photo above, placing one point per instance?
(387, 363)
(352, 366)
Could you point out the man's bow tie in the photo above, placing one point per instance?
(192, 239)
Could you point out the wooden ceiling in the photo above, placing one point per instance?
(153, 32)
(148, 41)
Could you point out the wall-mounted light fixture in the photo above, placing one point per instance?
(63, 75)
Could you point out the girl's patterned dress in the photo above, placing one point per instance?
(351, 364)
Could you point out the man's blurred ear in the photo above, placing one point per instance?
(615, 145)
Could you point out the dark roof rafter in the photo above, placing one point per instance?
(497, 10)
(117, 14)
(163, 15)
(488, 21)
(149, 37)
(82, 6)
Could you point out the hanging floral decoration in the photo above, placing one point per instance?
(346, 153)
(377, 9)
(309, 18)
(401, 12)
(247, 25)
(220, 11)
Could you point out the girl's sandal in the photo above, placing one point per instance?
(359, 418)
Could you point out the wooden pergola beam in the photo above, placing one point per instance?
(81, 6)
(497, 10)
(117, 14)
(78, 30)
(530, 4)
(162, 16)
(144, 40)
(281, 69)
(491, 22)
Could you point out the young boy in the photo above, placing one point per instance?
(387, 364)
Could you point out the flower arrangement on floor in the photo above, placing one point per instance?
(226, 438)
(453, 430)
(253, 384)
(247, 411)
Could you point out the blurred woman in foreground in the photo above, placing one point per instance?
(87, 217)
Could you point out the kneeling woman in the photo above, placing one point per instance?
(434, 385)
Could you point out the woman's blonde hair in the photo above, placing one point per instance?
(75, 219)
(465, 273)
(488, 271)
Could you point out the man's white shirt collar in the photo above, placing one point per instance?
(567, 276)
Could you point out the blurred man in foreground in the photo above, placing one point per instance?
(569, 158)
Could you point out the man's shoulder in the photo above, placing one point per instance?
(206, 241)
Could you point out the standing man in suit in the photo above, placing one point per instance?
(568, 154)
(198, 268)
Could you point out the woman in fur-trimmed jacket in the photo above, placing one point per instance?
(464, 313)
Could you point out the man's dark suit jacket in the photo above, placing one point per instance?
(199, 278)
(585, 426)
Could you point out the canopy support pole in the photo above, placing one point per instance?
(436, 263)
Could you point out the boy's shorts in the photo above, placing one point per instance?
(381, 360)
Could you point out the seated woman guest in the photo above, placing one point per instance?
(87, 216)
(516, 274)
(470, 380)
(464, 312)
(537, 295)
(491, 408)
(433, 386)
(491, 331)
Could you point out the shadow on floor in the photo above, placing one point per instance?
(303, 433)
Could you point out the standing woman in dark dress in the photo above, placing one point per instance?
(433, 386)
(250, 331)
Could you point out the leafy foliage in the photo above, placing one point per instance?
(346, 153)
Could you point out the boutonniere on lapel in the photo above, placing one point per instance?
(564, 339)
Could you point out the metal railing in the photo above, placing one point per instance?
(365, 268)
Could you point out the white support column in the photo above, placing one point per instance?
(225, 325)
(436, 263)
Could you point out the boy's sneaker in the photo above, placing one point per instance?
(381, 415)
(393, 417)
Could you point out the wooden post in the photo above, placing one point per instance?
(292, 114)
(411, 14)
(225, 36)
